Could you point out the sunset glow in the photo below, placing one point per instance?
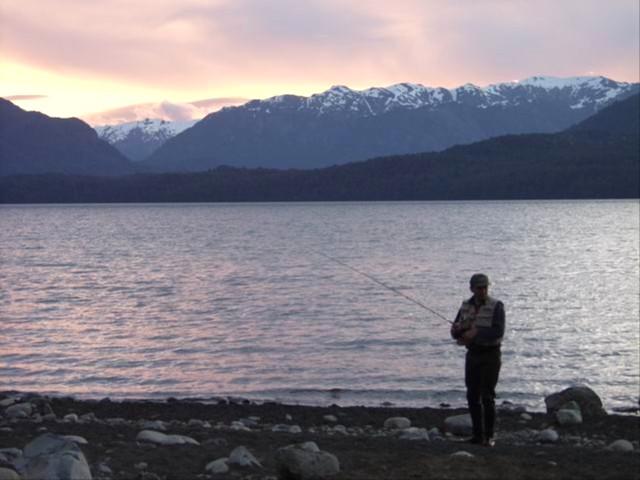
(76, 58)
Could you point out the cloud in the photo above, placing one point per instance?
(163, 110)
(229, 47)
(25, 97)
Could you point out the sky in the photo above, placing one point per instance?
(110, 61)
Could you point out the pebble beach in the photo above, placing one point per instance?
(58, 437)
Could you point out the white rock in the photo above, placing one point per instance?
(162, 439)
(288, 418)
(548, 435)
(243, 458)
(462, 453)
(568, 417)
(397, 422)
(459, 424)
(526, 416)
(104, 469)
(621, 446)
(295, 429)
(141, 466)
(70, 418)
(218, 466)
(330, 418)
(8, 474)
(76, 439)
(413, 433)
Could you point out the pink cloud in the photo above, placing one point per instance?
(162, 110)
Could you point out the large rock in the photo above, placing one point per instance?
(306, 462)
(459, 424)
(53, 458)
(588, 400)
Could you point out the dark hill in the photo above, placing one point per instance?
(33, 143)
(619, 117)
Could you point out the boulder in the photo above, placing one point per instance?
(621, 446)
(218, 467)
(303, 462)
(459, 424)
(397, 422)
(243, 458)
(588, 400)
(53, 458)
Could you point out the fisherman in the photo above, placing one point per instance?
(479, 326)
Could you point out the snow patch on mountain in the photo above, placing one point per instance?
(150, 128)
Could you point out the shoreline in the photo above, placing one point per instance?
(355, 435)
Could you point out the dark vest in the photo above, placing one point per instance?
(483, 318)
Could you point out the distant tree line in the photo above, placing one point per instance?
(572, 164)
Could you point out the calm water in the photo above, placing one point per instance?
(217, 299)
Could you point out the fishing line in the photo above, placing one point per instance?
(396, 291)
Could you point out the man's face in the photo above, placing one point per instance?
(480, 292)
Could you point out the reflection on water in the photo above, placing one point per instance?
(203, 300)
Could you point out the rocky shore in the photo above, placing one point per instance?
(60, 438)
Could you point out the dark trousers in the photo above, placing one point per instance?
(482, 368)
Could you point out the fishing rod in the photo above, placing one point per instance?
(394, 290)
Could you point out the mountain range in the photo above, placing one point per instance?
(334, 127)
(597, 158)
(342, 125)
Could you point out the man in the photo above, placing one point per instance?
(479, 326)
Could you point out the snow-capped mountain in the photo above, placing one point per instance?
(343, 125)
(137, 140)
(576, 92)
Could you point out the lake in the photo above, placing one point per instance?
(203, 300)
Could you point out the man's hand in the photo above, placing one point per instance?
(468, 336)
